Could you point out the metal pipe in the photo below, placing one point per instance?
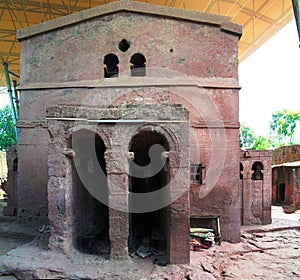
(17, 102)
(14, 74)
(297, 15)
(5, 66)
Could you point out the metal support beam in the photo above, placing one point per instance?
(297, 15)
(16, 97)
(5, 66)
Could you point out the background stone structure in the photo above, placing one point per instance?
(286, 154)
(3, 174)
(286, 176)
(12, 170)
(3, 167)
(256, 187)
(93, 69)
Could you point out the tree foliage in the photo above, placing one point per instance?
(283, 126)
(250, 141)
(262, 143)
(7, 129)
(247, 137)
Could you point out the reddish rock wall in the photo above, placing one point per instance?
(286, 154)
(285, 177)
(286, 185)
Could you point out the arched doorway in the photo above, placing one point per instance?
(91, 215)
(149, 231)
(280, 193)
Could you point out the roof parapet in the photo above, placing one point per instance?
(131, 6)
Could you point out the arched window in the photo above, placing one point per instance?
(138, 66)
(111, 69)
(15, 164)
(241, 171)
(257, 168)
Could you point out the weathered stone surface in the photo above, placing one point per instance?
(187, 102)
(265, 251)
(256, 189)
(285, 186)
(286, 154)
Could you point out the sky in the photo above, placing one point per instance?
(269, 79)
(4, 99)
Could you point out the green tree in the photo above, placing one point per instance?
(247, 137)
(7, 129)
(249, 140)
(262, 143)
(283, 126)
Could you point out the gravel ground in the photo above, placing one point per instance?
(265, 252)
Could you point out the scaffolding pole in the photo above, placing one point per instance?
(297, 15)
(16, 97)
(5, 66)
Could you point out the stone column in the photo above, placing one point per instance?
(60, 191)
(117, 179)
(247, 193)
(267, 194)
(179, 230)
(60, 201)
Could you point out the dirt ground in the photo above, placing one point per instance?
(265, 252)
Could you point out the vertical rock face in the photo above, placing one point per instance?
(136, 76)
(286, 177)
(286, 154)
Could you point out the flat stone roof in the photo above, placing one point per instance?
(134, 7)
(287, 164)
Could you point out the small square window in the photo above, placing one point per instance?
(196, 173)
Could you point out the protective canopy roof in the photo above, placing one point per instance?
(260, 20)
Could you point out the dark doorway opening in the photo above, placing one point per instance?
(149, 231)
(257, 168)
(281, 193)
(241, 171)
(91, 217)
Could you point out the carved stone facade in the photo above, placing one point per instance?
(130, 76)
(118, 138)
(255, 184)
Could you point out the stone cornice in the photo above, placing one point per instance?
(135, 7)
(137, 82)
(203, 125)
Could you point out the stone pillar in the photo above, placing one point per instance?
(257, 201)
(117, 178)
(247, 194)
(60, 194)
(267, 194)
(179, 230)
(60, 201)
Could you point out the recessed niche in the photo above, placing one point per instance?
(124, 45)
